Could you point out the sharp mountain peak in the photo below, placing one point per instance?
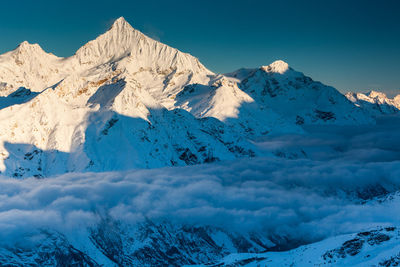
(375, 94)
(120, 22)
(26, 47)
(122, 41)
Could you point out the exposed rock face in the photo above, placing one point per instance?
(377, 247)
(147, 244)
(48, 248)
(113, 244)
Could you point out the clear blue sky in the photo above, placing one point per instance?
(352, 45)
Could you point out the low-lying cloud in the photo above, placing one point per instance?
(294, 198)
(308, 199)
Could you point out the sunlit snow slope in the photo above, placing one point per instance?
(376, 103)
(127, 101)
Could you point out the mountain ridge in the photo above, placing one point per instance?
(125, 90)
(376, 103)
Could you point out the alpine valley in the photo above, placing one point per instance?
(95, 148)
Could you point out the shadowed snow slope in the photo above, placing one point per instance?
(127, 101)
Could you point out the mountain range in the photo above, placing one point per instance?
(376, 103)
(111, 129)
(126, 101)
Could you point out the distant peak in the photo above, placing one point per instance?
(375, 94)
(120, 24)
(24, 43)
(122, 41)
(120, 20)
(278, 66)
(25, 46)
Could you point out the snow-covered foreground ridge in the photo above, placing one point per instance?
(126, 101)
(373, 247)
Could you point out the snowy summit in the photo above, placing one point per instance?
(278, 66)
(124, 89)
(288, 163)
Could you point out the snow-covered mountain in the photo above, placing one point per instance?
(374, 247)
(111, 243)
(127, 101)
(376, 103)
(167, 245)
(108, 107)
(296, 97)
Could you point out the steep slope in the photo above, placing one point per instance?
(270, 100)
(223, 99)
(374, 247)
(111, 243)
(376, 103)
(28, 66)
(104, 108)
(298, 98)
(121, 41)
(48, 135)
(127, 101)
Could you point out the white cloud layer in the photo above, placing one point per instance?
(306, 199)
(299, 198)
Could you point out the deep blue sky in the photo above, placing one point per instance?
(352, 45)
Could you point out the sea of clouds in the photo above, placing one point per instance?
(346, 182)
